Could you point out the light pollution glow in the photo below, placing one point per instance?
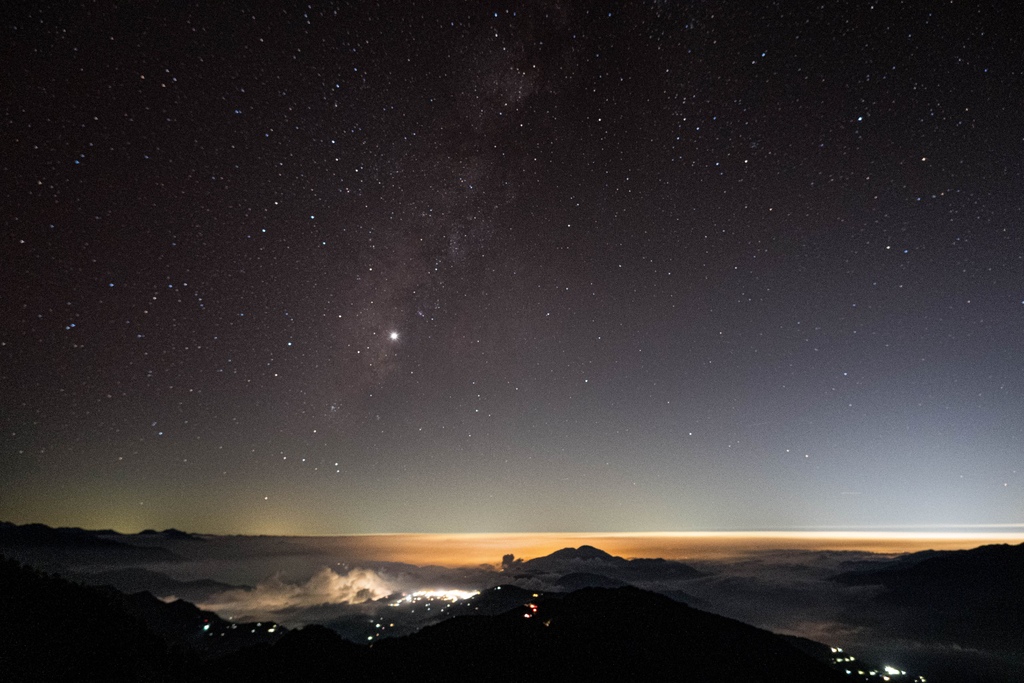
(455, 550)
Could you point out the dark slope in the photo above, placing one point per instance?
(968, 597)
(55, 630)
(577, 580)
(183, 624)
(592, 634)
(1003, 564)
(493, 601)
(609, 634)
(41, 545)
(51, 629)
(312, 654)
(137, 579)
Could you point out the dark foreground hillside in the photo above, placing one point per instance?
(54, 630)
(592, 634)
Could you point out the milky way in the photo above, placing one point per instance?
(390, 267)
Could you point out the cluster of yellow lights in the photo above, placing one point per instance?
(445, 595)
(888, 673)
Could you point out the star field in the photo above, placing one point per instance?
(385, 267)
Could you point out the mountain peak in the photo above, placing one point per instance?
(584, 552)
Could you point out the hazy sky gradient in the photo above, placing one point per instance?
(449, 267)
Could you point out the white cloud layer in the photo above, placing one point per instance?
(326, 587)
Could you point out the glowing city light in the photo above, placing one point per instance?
(447, 595)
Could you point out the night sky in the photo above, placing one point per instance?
(481, 266)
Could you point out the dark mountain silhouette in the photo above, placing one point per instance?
(968, 597)
(181, 623)
(51, 629)
(495, 600)
(41, 545)
(578, 580)
(314, 653)
(136, 579)
(589, 560)
(584, 552)
(659, 569)
(885, 562)
(591, 634)
(590, 567)
(42, 536)
(172, 534)
(54, 630)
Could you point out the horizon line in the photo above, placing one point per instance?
(920, 531)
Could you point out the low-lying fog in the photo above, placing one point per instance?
(301, 580)
(366, 587)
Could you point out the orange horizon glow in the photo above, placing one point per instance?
(473, 549)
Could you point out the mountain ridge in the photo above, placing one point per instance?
(53, 629)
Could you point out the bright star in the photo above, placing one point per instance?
(393, 336)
